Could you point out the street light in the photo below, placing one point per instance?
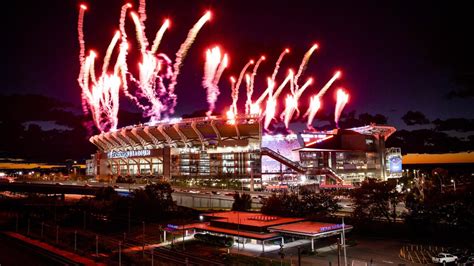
(454, 184)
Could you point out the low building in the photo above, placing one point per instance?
(259, 232)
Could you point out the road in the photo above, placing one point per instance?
(214, 193)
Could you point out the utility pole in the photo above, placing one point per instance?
(84, 221)
(97, 246)
(339, 251)
(344, 241)
(143, 247)
(57, 234)
(152, 264)
(128, 219)
(120, 253)
(184, 232)
(299, 256)
(238, 231)
(75, 240)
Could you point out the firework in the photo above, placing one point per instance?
(109, 51)
(291, 103)
(181, 54)
(159, 36)
(314, 106)
(139, 32)
(278, 62)
(342, 99)
(270, 108)
(235, 95)
(80, 33)
(250, 85)
(239, 81)
(337, 75)
(315, 100)
(304, 63)
(213, 68)
(289, 79)
(101, 97)
(142, 14)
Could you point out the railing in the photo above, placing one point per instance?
(334, 175)
(282, 159)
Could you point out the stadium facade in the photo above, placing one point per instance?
(214, 148)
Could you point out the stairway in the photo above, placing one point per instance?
(282, 159)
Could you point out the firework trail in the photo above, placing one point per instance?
(92, 70)
(269, 91)
(140, 33)
(315, 101)
(80, 33)
(213, 68)
(337, 75)
(159, 36)
(82, 49)
(314, 106)
(121, 65)
(232, 112)
(274, 74)
(142, 14)
(304, 63)
(248, 103)
(250, 85)
(278, 62)
(270, 108)
(235, 91)
(291, 103)
(101, 97)
(181, 54)
(109, 51)
(342, 99)
(289, 79)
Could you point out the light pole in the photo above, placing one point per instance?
(454, 184)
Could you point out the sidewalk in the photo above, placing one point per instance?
(66, 254)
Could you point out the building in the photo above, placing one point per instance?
(261, 233)
(214, 148)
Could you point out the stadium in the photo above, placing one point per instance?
(208, 150)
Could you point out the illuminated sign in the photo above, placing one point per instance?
(395, 165)
(172, 226)
(128, 154)
(331, 227)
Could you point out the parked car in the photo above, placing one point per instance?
(444, 258)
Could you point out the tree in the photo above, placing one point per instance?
(375, 200)
(154, 201)
(307, 204)
(242, 202)
(318, 204)
(286, 204)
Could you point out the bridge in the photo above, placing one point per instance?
(48, 188)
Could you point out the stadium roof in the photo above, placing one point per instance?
(375, 130)
(189, 132)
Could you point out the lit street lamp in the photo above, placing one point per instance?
(454, 184)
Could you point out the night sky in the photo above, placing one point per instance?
(396, 56)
